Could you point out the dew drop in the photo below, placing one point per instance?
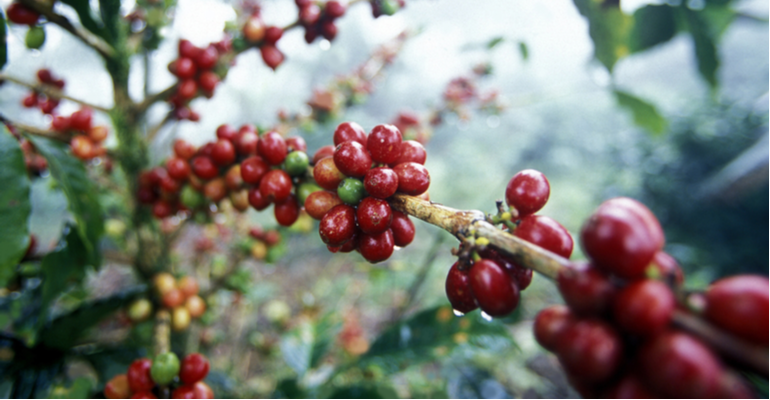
(458, 313)
(486, 316)
(325, 45)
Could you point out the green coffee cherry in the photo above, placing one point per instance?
(191, 198)
(165, 366)
(35, 37)
(304, 190)
(351, 191)
(296, 163)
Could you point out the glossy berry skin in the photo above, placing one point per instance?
(246, 143)
(351, 191)
(207, 58)
(143, 395)
(668, 268)
(273, 34)
(496, 293)
(139, 379)
(117, 387)
(732, 302)
(20, 14)
(376, 247)
(184, 68)
(188, 285)
(458, 290)
(215, 189)
(521, 275)
(413, 178)
(678, 357)
(296, 143)
(173, 298)
(384, 144)
(550, 323)
(226, 132)
(272, 147)
(381, 182)
(208, 81)
(275, 185)
(187, 89)
(590, 350)
(223, 153)
(403, 229)
(202, 391)
(546, 233)
(253, 169)
(162, 209)
(194, 368)
(286, 211)
(183, 392)
(183, 149)
(203, 167)
(352, 159)
(296, 163)
(621, 237)
(586, 290)
(319, 203)
(644, 307)
(628, 387)
(233, 178)
(257, 200)
(411, 151)
(527, 192)
(338, 225)
(323, 152)
(271, 56)
(349, 131)
(165, 366)
(178, 168)
(195, 306)
(374, 215)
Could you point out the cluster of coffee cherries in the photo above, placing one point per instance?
(86, 142)
(195, 69)
(488, 279)
(266, 37)
(22, 15)
(614, 336)
(178, 296)
(386, 7)
(318, 19)
(36, 164)
(47, 105)
(359, 175)
(248, 168)
(150, 379)
(263, 240)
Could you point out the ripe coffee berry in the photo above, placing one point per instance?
(458, 290)
(546, 233)
(194, 368)
(253, 169)
(257, 200)
(644, 307)
(403, 229)
(246, 143)
(590, 350)
(327, 175)
(319, 203)
(376, 247)
(496, 293)
(550, 324)
(338, 225)
(732, 302)
(226, 132)
(296, 143)
(139, 379)
(183, 149)
(349, 131)
(586, 290)
(20, 14)
(271, 56)
(352, 159)
(411, 151)
(223, 153)
(117, 387)
(178, 168)
(323, 152)
(374, 215)
(272, 147)
(413, 178)
(381, 182)
(275, 185)
(384, 144)
(203, 167)
(286, 211)
(527, 192)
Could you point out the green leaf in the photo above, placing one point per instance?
(14, 204)
(87, 18)
(325, 333)
(365, 391)
(705, 46)
(645, 114)
(65, 330)
(289, 389)
(523, 51)
(305, 346)
(110, 10)
(494, 42)
(430, 332)
(82, 199)
(3, 41)
(653, 25)
(609, 29)
(108, 362)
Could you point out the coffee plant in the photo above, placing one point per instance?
(169, 276)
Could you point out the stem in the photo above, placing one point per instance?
(51, 91)
(36, 131)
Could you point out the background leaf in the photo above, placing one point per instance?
(87, 18)
(609, 29)
(524, 51)
(110, 10)
(3, 41)
(645, 114)
(705, 46)
(494, 42)
(653, 25)
(14, 204)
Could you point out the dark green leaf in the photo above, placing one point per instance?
(86, 16)
(326, 330)
(64, 331)
(653, 25)
(14, 204)
(645, 115)
(108, 362)
(705, 46)
(82, 199)
(288, 389)
(3, 42)
(524, 51)
(608, 27)
(469, 382)
(110, 10)
(494, 42)
(365, 391)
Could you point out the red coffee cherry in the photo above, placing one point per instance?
(351, 244)
(202, 391)
(739, 304)
(117, 387)
(170, 185)
(246, 143)
(629, 386)
(403, 229)
(223, 153)
(178, 168)
(146, 195)
(233, 178)
(187, 49)
(590, 350)
(586, 290)
(208, 81)
(381, 182)
(162, 209)
(80, 120)
(215, 189)
(184, 68)
(296, 143)
(521, 275)
(183, 392)
(323, 152)
(187, 89)
(527, 192)
(352, 159)
(44, 75)
(550, 324)
(319, 203)
(644, 307)
(139, 379)
(253, 169)
(227, 132)
(374, 215)
(376, 247)
(194, 368)
(668, 269)
(173, 298)
(273, 34)
(286, 211)
(622, 236)
(207, 58)
(142, 395)
(203, 167)
(257, 200)
(272, 147)
(275, 185)
(412, 151)
(349, 131)
(338, 225)
(384, 144)
(334, 9)
(184, 149)
(676, 357)
(271, 56)
(413, 178)
(496, 293)
(546, 233)
(327, 175)
(20, 14)
(458, 290)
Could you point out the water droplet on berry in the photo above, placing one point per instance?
(325, 45)
(458, 313)
(486, 316)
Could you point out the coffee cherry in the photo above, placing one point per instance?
(374, 215)
(169, 185)
(411, 151)
(35, 37)
(349, 131)
(254, 29)
(194, 368)
(162, 209)
(233, 178)
(334, 9)
(590, 350)
(549, 325)
(186, 49)
(164, 282)
(117, 387)
(739, 304)
(381, 182)
(338, 225)
(82, 147)
(139, 379)
(223, 153)
(44, 75)
(187, 89)
(286, 211)
(60, 124)
(20, 14)
(352, 159)
(140, 310)
(629, 386)
(495, 291)
(240, 199)
(98, 133)
(622, 236)
(184, 68)
(667, 268)
(165, 366)
(546, 233)
(376, 247)
(319, 203)
(253, 169)
(173, 298)
(413, 178)
(323, 152)
(226, 132)
(202, 391)
(351, 191)
(272, 147)
(178, 168)
(203, 167)
(180, 319)
(403, 229)
(275, 185)
(527, 192)
(183, 392)
(184, 149)
(215, 190)
(188, 285)
(296, 163)
(644, 307)
(246, 143)
(207, 58)
(143, 395)
(191, 198)
(257, 200)
(384, 144)
(195, 306)
(585, 289)
(271, 56)
(208, 81)
(273, 34)
(30, 101)
(676, 357)
(327, 175)
(458, 290)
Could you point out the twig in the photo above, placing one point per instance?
(153, 131)
(36, 131)
(161, 337)
(153, 98)
(51, 91)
